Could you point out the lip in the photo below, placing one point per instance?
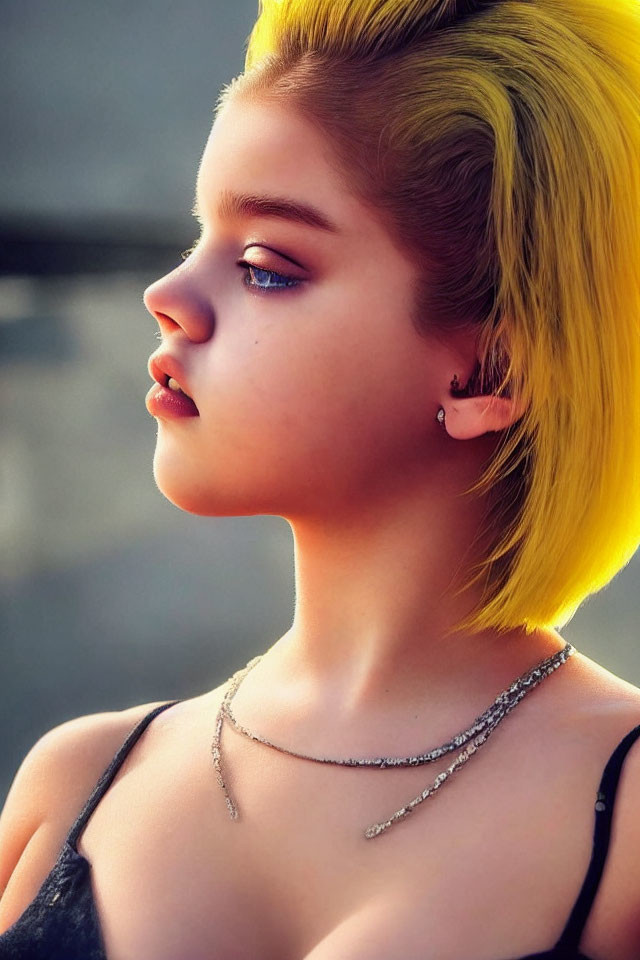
(162, 402)
(161, 366)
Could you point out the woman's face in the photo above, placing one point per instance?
(314, 398)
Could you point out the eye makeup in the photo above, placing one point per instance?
(255, 277)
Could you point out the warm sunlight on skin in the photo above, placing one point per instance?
(317, 403)
(312, 399)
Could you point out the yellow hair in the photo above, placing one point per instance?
(500, 143)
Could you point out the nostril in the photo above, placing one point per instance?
(164, 321)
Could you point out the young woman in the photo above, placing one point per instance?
(410, 328)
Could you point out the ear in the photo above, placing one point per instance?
(468, 417)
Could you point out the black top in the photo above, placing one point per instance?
(62, 923)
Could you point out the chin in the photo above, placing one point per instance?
(224, 499)
(186, 496)
(173, 482)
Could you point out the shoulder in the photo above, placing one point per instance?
(609, 710)
(56, 777)
(66, 757)
(78, 740)
(616, 909)
(622, 867)
(603, 709)
(81, 747)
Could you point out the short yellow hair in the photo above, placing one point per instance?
(499, 141)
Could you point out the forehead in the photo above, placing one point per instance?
(264, 149)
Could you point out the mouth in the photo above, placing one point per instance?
(167, 371)
(169, 402)
(173, 384)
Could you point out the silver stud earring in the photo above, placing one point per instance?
(440, 416)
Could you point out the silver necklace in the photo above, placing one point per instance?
(473, 737)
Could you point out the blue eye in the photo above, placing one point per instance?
(262, 279)
(257, 277)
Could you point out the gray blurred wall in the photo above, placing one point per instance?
(110, 595)
(107, 105)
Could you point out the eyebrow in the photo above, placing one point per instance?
(233, 204)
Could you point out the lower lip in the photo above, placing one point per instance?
(163, 402)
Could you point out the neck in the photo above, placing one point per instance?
(373, 605)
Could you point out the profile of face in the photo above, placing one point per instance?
(316, 396)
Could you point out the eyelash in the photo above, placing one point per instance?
(269, 287)
(288, 283)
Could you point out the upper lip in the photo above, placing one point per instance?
(161, 366)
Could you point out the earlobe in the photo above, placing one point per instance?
(467, 417)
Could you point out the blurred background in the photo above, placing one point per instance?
(111, 596)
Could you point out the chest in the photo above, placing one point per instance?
(483, 870)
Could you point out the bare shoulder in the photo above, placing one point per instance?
(624, 854)
(64, 760)
(611, 705)
(48, 791)
(591, 696)
(606, 709)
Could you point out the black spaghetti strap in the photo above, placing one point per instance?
(105, 780)
(604, 804)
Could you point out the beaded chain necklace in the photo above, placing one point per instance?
(473, 737)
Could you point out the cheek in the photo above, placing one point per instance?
(281, 399)
(311, 402)
(337, 368)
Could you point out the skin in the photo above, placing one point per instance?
(318, 404)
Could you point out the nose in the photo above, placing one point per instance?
(176, 303)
